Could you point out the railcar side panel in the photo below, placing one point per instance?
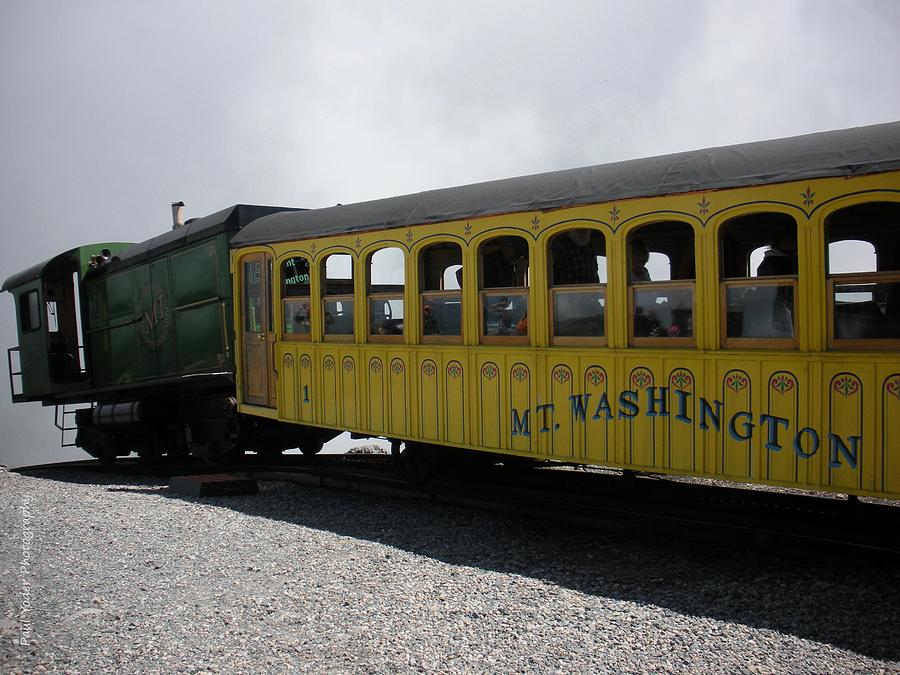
(803, 414)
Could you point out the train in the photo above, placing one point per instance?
(729, 313)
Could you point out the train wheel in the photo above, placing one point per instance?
(312, 448)
(415, 461)
(220, 445)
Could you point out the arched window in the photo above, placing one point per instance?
(440, 284)
(337, 300)
(863, 252)
(384, 290)
(295, 297)
(661, 284)
(758, 254)
(503, 278)
(577, 286)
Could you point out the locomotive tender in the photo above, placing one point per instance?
(730, 313)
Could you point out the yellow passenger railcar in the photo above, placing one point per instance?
(729, 313)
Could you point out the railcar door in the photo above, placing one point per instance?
(257, 333)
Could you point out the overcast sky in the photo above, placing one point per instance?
(112, 110)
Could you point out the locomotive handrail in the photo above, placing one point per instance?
(12, 388)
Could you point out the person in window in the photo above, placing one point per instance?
(502, 309)
(779, 260)
(574, 261)
(429, 321)
(504, 263)
(640, 254)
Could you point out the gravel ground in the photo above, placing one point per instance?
(123, 575)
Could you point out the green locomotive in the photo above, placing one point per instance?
(154, 370)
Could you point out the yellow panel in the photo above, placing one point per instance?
(455, 402)
(306, 394)
(377, 398)
(429, 401)
(557, 422)
(520, 388)
(736, 445)
(287, 385)
(845, 457)
(331, 402)
(890, 434)
(349, 372)
(785, 416)
(491, 413)
(682, 452)
(398, 397)
(638, 425)
(599, 414)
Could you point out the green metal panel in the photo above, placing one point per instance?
(123, 326)
(200, 340)
(201, 292)
(195, 274)
(159, 318)
(33, 345)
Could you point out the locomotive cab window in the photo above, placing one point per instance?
(758, 254)
(29, 311)
(578, 286)
(440, 281)
(863, 252)
(295, 297)
(661, 284)
(503, 273)
(337, 301)
(384, 289)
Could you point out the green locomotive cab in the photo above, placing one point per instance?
(50, 362)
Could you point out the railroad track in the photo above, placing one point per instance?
(794, 523)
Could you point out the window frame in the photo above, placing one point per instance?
(725, 283)
(566, 340)
(337, 297)
(553, 289)
(384, 297)
(33, 310)
(758, 342)
(295, 337)
(862, 344)
(519, 291)
(661, 341)
(424, 295)
(440, 338)
(833, 343)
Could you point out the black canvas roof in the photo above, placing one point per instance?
(856, 151)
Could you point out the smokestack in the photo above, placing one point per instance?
(177, 215)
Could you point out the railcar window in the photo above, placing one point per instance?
(253, 297)
(295, 297)
(758, 255)
(440, 270)
(338, 298)
(29, 311)
(661, 284)
(385, 285)
(863, 251)
(578, 285)
(504, 279)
